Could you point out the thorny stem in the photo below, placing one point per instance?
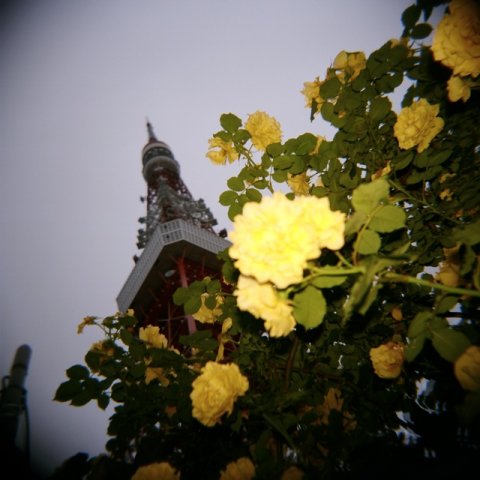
(290, 360)
(396, 277)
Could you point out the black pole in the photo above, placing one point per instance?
(12, 400)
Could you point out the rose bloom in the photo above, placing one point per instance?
(387, 359)
(272, 240)
(311, 92)
(263, 301)
(215, 391)
(417, 125)
(299, 183)
(263, 130)
(292, 473)
(456, 41)
(352, 63)
(153, 337)
(156, 471)
(458, 89)
(204, 314)
(333, 401)
(467, 369)
(86, 321)
(242, 469)
(225, 151)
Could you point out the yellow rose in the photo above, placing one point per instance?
(263, 301)
(292, 473)
(152, 336)
(456, 41)
(272, 240)
(156, 373)
(333, 401)
(86, 321)
(156, 471)
(458, 89)
(242, 469)
(320, 139)
(387, 359)
(449, 271)
(351, 64)
(263, 130)
(104, 347)
(215, 391)
(224, 152)
(204, 314)
(418, 125)
(311, 92)
(299, 183)
(467, 369)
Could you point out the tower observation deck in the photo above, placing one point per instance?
(177, 242)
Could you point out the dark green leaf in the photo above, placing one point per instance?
(67, 390)
(230, 122)
(227, 198)
(253, 194)
(422, 30)
(235, 183)
(410, 16)
(77, 372)
(449, 343)
(330, 88)
(379, 108)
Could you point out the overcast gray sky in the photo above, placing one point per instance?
(77, 81)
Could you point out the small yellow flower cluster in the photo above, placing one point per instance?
(456, 41)
(299, 183)
(263, 130)
(417, 125)
(152, 336)
(467, 369)
(103, 347)
(215, 391)
(242, 469)
(204, 314)
(311, 92)
(387, 359)
(156, 471)
(350, 65)
(221, 151)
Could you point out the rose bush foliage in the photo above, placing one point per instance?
(341, 338)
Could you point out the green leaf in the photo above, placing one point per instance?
(181, 295)
(230, 122)
(446, 304)
(328, 281)
(103, 400)
(368, 196)
(234, 210)
(422, 30)
(419, 324)
(77, 372)
(309, 307)
(355, 222)
(235, 183)
(126, 336)
(275, 149)
(227, 198)
(192, 305)
(330, 88)
(449, 343)
(387, 219)
(306, 143)
(368, 242)
(469, 235)
(67, 390)
(201, 339)
(241, 136)
(253, 194)
(410, 16)
(414, 347)
(379, 108)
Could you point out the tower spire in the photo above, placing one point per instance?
(151, 133)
